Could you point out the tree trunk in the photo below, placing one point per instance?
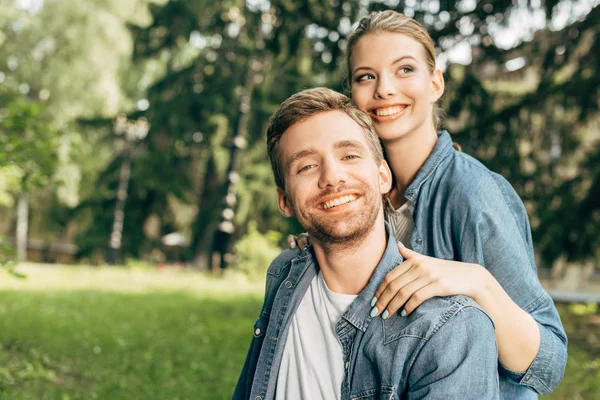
(22, 225)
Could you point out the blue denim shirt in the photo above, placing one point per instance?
(463, 211)
(446, 348)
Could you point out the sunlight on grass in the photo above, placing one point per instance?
(80, 332)
(50, 277)
(115, 333)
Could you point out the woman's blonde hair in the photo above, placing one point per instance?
(394, 22)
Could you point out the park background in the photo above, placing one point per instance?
(137, 208)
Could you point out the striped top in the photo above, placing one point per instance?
(400, 221)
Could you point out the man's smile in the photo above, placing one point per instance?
(338, 201)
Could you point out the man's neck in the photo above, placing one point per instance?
(347, 270)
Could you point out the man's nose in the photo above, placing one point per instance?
(385, 87)
(332, 175)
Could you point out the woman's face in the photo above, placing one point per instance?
(392, 82)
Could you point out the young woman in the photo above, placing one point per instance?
(445, 205)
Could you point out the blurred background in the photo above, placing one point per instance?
(132, 134)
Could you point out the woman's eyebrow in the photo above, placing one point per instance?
(393, 62)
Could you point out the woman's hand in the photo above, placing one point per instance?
(420, 278)
(301, 241)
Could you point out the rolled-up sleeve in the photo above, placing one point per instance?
(493, 230)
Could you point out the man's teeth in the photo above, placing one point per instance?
(389, 110)
(339, 201)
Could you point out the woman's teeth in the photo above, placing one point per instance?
(381, 112)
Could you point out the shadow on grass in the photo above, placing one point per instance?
(110, 345)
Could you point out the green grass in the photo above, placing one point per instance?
(110, 333)
(117, 334)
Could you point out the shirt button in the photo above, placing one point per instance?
(527, 378)
(258, 398)
(419, 240)
(347, 364)
(288, 284)
(257, 331)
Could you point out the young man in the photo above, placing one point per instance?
(314, 338)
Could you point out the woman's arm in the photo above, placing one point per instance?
(420, 278)
(490, 229)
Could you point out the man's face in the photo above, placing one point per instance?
(332, 183)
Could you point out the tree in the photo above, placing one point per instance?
(503, 100)
(63, 63)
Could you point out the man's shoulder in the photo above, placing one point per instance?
(285, 259)
(427, 319)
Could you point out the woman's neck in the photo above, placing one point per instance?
(406, 156)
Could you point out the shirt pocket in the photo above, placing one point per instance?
(383, 393)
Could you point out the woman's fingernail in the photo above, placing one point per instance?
(403, 313)
(401, 244)
(373, 301)
(385, 314)
(292, 245)
(374, 312)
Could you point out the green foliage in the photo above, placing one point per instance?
(10, 182)
(7, 253)
(29, 145)
(8, 258)
(191, 61)
(255, 251)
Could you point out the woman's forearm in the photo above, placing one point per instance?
(517, 333)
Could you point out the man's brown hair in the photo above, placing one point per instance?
(305, 104)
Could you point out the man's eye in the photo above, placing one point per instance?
(305, 168)
(351, 157)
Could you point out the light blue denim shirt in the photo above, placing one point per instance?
(446, 348)
(462, 211)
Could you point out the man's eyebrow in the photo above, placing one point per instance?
(300, 154)
(343, 144)
(393, 62)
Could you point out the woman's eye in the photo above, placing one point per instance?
(364, 77)
(405, 70)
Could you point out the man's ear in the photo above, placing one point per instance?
(284, 204)
(385, 177)
(437, 85)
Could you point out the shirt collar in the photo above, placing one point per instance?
(442, 148)
(358, 312)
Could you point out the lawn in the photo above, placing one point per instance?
(111, 333)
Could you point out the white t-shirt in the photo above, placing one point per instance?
(313, 363)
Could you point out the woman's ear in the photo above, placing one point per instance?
(284, 204)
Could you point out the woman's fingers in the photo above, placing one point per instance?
(392, 276)
(395, 290)
(303, 241)
(420, 295)
(406, 252)
(291, 239)
(403, 296)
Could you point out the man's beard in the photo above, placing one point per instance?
(340, 232)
